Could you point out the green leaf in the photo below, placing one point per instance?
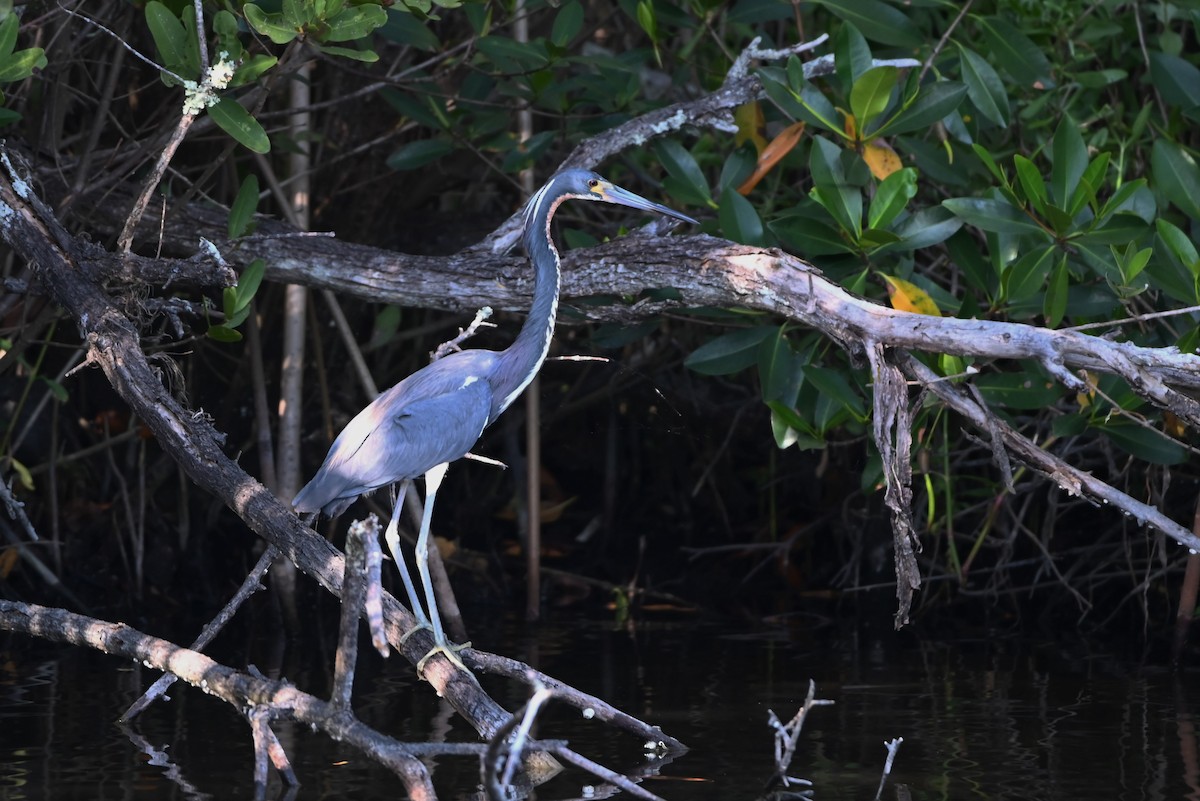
(808, 105)
(567, 23)
(247, 285)
(244, 205)
(354, 22)
(21, 64)
(843, 202)
(169, 35)
(929, 226)
(871, 94)
(989, 214)
(1120, 197)
(852, 54)
(1027, 275)
(8, 32)
(234, 120)
(802, 234)
(646, 19)
(739, 221)
(1070, 160)
(1054, 307)
(413, 155)
(1176, 176)
(1024, 390)
(780, 368)
(405, 29)
(682, 166)
(878, 21)
(1016, 53)
(834, 384)
(891, 197)
(252, 68)
(1179, 245)
(222, 333)
(984, 87)
(365, 56)
(271, 26)
(1147, 444)
(297, 13)
(1177, 80)
(1031, 181)
(1089, 185)
(934, 102)
(730, 352)
(989, 162)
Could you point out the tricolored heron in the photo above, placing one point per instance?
(435, 416)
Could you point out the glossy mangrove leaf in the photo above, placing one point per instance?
(933, 103)
(730, 352)
(242, 211)
(989, 214)
(416, 154)
(1177, 176)
(1054, 306)
(1149, 445)
(682, 166)
(271, 26)
(891, 197)
(1177, 80)
(809, 237)
(878, 21)
(1070, 160)
(1025, 277)
(984, 86)
(234, 120)
(739, 220)
(871, 94)
(835, 386)
(1025, 390)
(170, 38)
(852, 54)
(1016, 53)
(567, 23)
(929, 226)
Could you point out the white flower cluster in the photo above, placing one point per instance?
(198, 97)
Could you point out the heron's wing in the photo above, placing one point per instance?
(433, 416)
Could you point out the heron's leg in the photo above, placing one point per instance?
(433, 479)
(392, 537)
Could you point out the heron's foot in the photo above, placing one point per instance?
(451, 652)
(421, 624)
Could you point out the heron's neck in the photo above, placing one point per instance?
(521, 361)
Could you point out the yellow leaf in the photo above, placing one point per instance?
(880, 157)
(850, 126)
(769, 156)
(1085, 398)
(8, 560)
(909, 297)
(23, 474)
(749, 119)
(1174, 426)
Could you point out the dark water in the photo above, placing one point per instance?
(988, 718)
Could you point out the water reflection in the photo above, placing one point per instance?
(988, 718)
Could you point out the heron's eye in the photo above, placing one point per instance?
(593, 183)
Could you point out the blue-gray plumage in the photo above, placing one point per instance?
(435, 416)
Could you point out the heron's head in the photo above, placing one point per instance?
(587, 185)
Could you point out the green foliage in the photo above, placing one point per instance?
(235, 303)
(15, 65)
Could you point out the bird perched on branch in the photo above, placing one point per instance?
(435, 416)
